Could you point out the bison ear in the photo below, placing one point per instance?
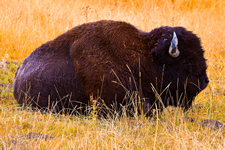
(173, 50)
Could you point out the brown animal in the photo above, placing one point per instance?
(85, 61)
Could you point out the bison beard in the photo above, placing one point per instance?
(87, 60)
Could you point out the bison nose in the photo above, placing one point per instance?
(206, 80)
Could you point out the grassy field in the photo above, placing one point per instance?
(26, 24)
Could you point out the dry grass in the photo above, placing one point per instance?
(26, 24)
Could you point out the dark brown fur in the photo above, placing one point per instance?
(64, 72)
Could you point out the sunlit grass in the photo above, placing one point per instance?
(26, 24)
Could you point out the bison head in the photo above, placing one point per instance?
(180, 65)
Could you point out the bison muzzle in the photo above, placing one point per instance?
(108, 60)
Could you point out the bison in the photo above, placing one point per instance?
(110, 59)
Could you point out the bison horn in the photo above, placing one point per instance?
(173, 50)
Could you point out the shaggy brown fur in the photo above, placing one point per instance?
(84, 61)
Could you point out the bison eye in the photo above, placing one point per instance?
(187, 61)
(184, 62)
(187, 65)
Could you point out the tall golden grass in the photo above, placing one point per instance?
(26, 24)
